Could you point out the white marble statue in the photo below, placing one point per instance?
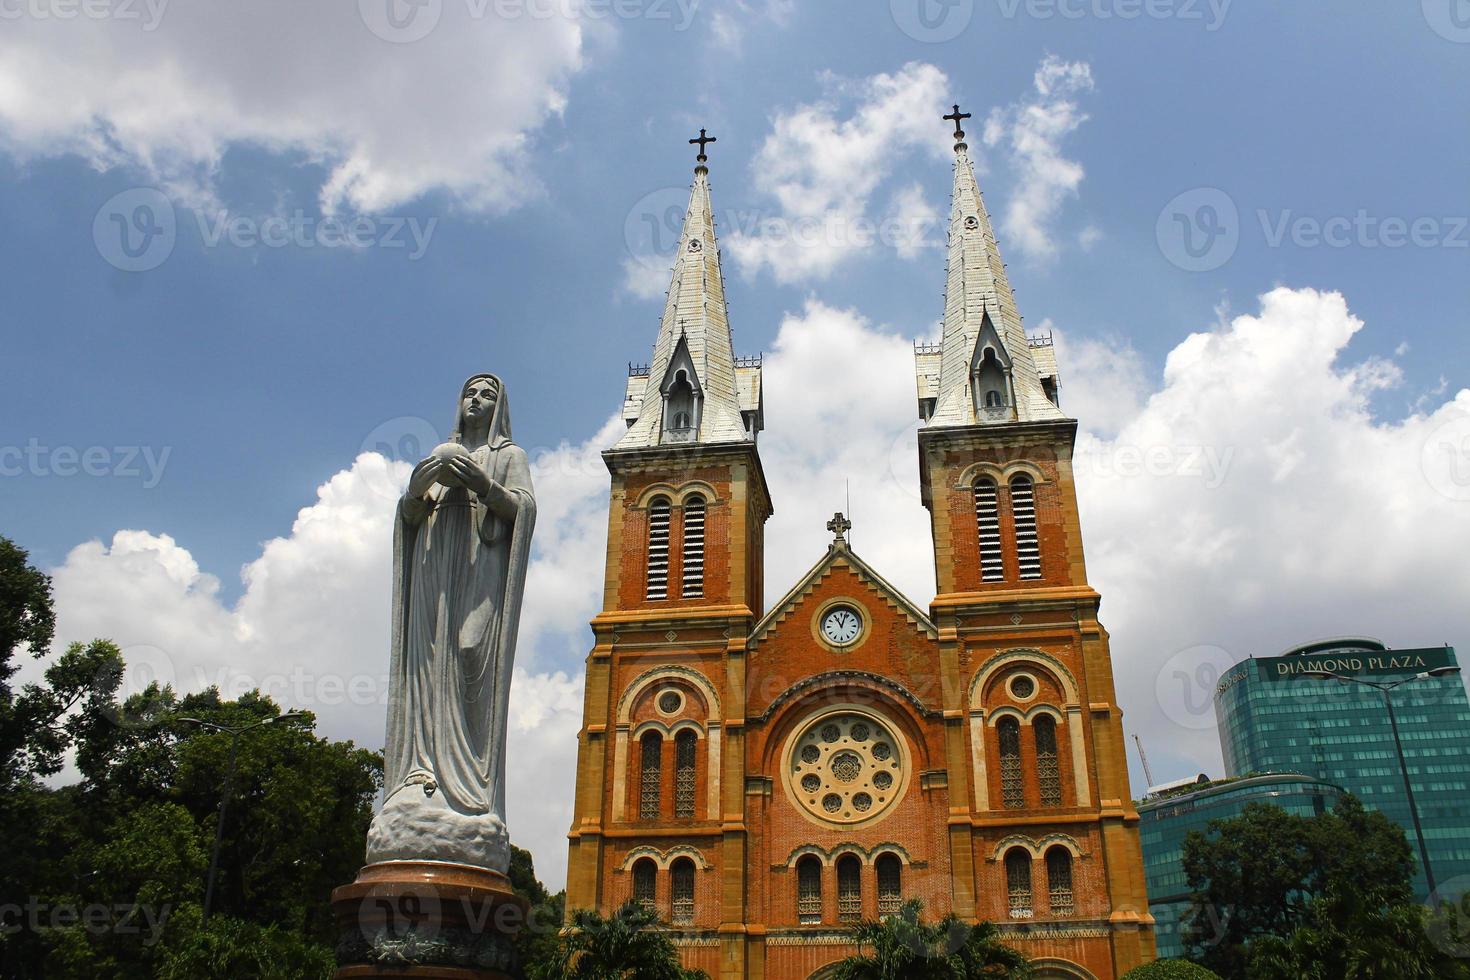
(461, 543)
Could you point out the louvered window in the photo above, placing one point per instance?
(1018, 883)
(1012, 781)
(658, 549)
(1059, 881)
(809, 891)
(681, 887)
(890, 883)
(849, 889)
(1048, 775)
(651, 776)
(685, 753)
(987, 522)
(1023, 509)
(645, 876)
(693, 558)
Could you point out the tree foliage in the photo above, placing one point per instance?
(627, 945)
(903, 946)
(1171, 970)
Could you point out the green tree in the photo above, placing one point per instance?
(903, 946)
(627, 945)
(1171, 970)
(1257, 874)
(536, 943)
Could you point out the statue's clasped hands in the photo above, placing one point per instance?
(451, 465)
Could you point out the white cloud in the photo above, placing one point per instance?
(823, 170)
(1249, 502)
(174, 89)
(730, 23)
(1032, 130)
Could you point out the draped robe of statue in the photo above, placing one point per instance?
(459, 573)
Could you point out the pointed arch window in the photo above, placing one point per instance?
(808, 890)
(685, 775)
(890, 883)
(645, 879)
(1018, 883)
(1023, 510)
(658, 548)
(681, 889)
(650, 776)
(1059, 881)
(693, 553)
(987, 524)
(1012, 781)
(1048, 772)
(849, 889)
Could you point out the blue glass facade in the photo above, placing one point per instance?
(1164, 823)
(1273, 719)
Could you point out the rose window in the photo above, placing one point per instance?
(846, 767)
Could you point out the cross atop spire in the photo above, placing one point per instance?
(839, 526)
(703, 139)
(957, 117)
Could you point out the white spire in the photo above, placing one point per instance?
(694, 338)
(979, 313)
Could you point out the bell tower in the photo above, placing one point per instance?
(1018, 625)
(660, 757)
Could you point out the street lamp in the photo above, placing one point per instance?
(1384, 689)
(224, 801)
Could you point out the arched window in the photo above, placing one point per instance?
(1048, 775)
(658, 548)
(685, 753)
(645, 877)
(681, 888)
(890, 883)
(651, 776)
(693, 557)
(849, 889)
(994, 399)
(809, 890)
(987, 522)
(1018, 882)
(990, 380)
(1023, 510)
(1059, 881)
(1012, 782)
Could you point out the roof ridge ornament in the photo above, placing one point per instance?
(956, 117)
(839, 526)
(703, 139)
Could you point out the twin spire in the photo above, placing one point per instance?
(983, 370)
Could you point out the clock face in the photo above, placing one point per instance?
(841, 625)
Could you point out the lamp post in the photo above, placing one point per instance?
(1385, 690)
(224, 801)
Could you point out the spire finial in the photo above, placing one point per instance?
(703, 139)
(957, 117)
(839, 526)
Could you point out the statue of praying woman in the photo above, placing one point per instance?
(461, 543)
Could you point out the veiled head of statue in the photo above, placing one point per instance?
(482, 406)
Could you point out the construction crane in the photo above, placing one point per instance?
(1144, 757)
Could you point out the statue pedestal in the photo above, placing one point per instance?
(427, 919)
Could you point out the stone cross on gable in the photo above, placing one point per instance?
(839, 526)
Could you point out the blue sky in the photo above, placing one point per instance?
(533, 151)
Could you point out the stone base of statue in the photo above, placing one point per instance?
(427, 919)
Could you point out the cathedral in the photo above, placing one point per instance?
(766, 776)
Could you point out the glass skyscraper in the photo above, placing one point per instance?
(1166, 819)
(1273, 718)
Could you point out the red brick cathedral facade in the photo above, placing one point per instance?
(764, 777)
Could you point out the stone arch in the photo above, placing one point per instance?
(665, 858)
(897, 850)
(710, 732)
(975, 471)
(1022, 467)
(655, 490)
(993, 717)
(1024, 655)
(1036, 848)
(1056, 968)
